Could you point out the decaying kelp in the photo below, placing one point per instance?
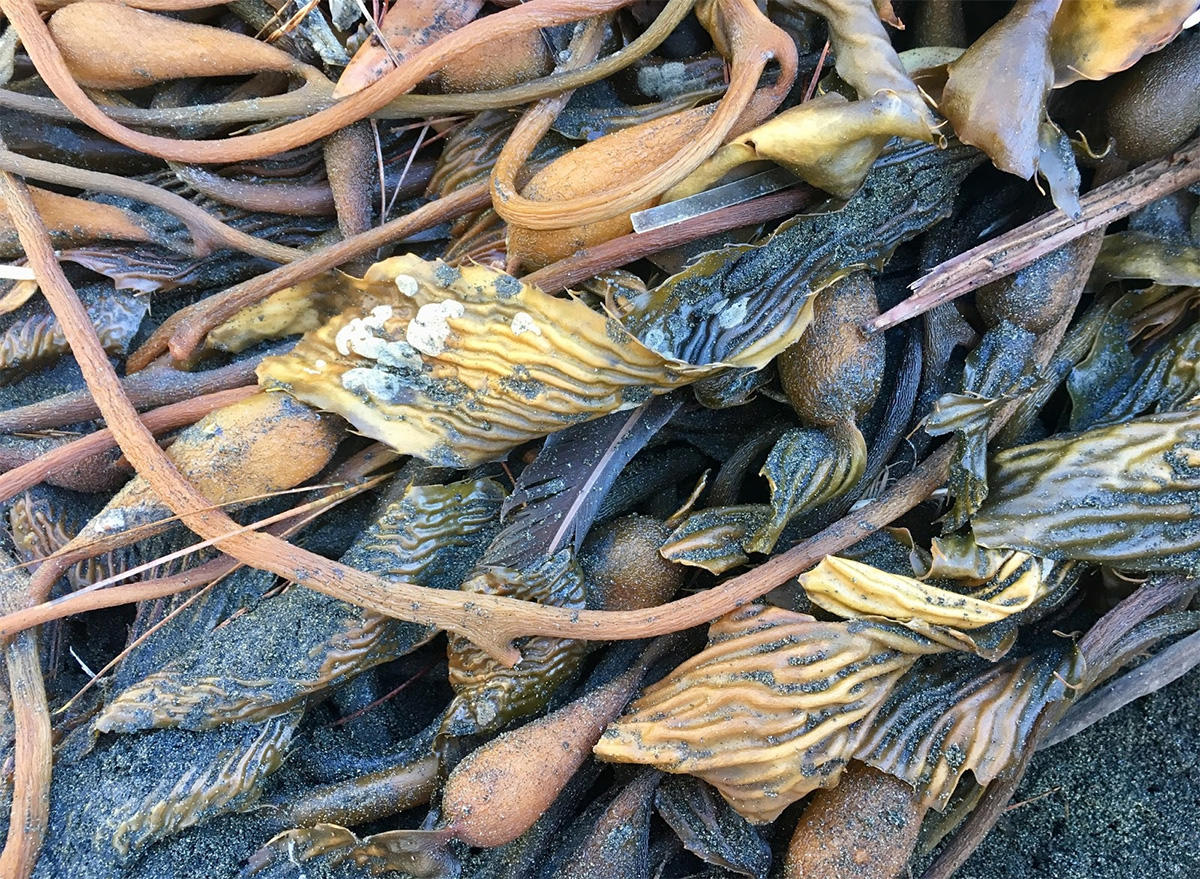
(545, 433)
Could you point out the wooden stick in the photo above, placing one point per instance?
(588, 262)
(33, 750)
(153, 387)
(1012, 251)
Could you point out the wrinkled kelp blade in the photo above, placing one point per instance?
(946, 718)
(1127, 495)
(771, 709)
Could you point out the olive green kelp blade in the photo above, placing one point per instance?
(1127, 495)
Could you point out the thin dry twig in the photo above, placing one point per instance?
(153, 387)
(208, 233)
(589, 261)
(1012, 251)
(33, 750)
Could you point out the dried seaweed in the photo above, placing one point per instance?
(259, 685)
(855, 590)
(38, 340)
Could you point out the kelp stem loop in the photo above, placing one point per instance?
(752, 41)
(44, 53)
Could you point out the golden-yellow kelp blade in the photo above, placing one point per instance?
(295, 309)
(995, 95)
(853, 589)
(466, 363)
(770, 710)
(1092, 39)
(829, 142)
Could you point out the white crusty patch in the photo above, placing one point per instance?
(428, 331)
(522, 322)
(407, 285)
(732, 315)
(372, 383)
(358, 335)
(109, 522)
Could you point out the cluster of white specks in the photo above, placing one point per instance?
(407, 285)
(358, 336)
(318, 367)
(655, 339)
(428, 331)
(372, 383)
(522, 322)
(109, 522)
(732, 315)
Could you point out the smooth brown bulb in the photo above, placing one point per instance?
(595, 166)
(505, 62)
(865, 828)
(1155, 106)
(623, 568)
(832, 375)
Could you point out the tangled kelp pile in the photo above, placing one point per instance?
(863, 334)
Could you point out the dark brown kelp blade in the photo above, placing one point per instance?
(743, 305)
(710, 829)
(488, 694)
(948, 717)
(557, 497)
(617, 846)
(230, 780)
(37, 341)
(254, 667)
(1116, 382)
